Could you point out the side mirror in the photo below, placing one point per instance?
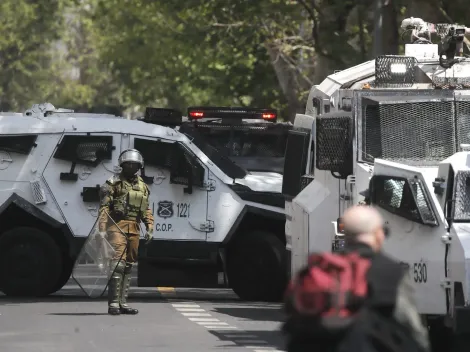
(334, 143)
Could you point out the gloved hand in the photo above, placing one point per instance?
(148, 236)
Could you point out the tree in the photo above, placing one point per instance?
(204, 52)
(28, 30)
(83, 79)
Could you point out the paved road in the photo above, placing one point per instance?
(169, 320)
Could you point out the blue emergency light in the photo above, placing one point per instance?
(200, 112)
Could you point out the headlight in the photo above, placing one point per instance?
(398, 68)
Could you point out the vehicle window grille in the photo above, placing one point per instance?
(413, 133)
(18, 144)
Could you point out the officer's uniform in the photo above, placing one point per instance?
(126, 199)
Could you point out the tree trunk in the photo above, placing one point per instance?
(286, 77)
(390, 34)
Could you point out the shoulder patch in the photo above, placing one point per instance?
(113, 180)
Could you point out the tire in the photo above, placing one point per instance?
(66, 272)
(256, 267)
(30, 262)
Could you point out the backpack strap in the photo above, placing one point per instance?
(357, 296)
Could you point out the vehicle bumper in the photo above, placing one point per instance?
(462, 320)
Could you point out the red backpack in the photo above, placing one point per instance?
(330, 290)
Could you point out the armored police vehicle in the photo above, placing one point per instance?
(216, 224)
(393, 132)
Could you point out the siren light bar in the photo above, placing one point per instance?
(163, 116)
(199, 112)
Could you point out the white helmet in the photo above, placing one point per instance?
(131, 155)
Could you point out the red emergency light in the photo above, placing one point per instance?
(196, 114)
(269, 116)
(231, 113)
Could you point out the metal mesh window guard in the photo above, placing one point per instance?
(462, 196)
(333, 145)
(85, 149)
(17, 144)
(88, 151)
(413, 133)
(391, 70)
(463, 121)
(422, 202)
(395, 195)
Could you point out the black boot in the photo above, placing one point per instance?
(126, 281)
(114, 288)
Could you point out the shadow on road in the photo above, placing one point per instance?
(257, 314)
(153, 298)
(274, 339)
(143, 295)
(139, 296)
(77, 314)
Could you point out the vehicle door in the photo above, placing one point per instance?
(80, 164)
(176, 178)
(401, 195)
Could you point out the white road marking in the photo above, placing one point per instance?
(196, 314)
(211, 327)
(203, 319)
(190, 310)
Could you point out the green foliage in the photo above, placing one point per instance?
(27, 31)
(182, 53)
(127, 54)
(83, 79)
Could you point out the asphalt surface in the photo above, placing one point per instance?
(169, 320)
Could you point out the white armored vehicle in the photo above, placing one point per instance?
(216, 224)
(394, 132)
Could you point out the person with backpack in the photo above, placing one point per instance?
(356, 300)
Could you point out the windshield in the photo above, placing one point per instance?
(255, 147)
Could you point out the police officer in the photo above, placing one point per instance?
(124, 198)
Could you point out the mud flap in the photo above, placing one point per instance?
(94, 265)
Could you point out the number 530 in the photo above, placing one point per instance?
(420, 272)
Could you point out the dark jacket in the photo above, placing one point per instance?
(391, 292)
(390, 295)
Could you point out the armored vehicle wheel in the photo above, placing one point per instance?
(30, 262)
(66, 272)
(256, 266)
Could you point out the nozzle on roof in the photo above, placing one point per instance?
(44, 109)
